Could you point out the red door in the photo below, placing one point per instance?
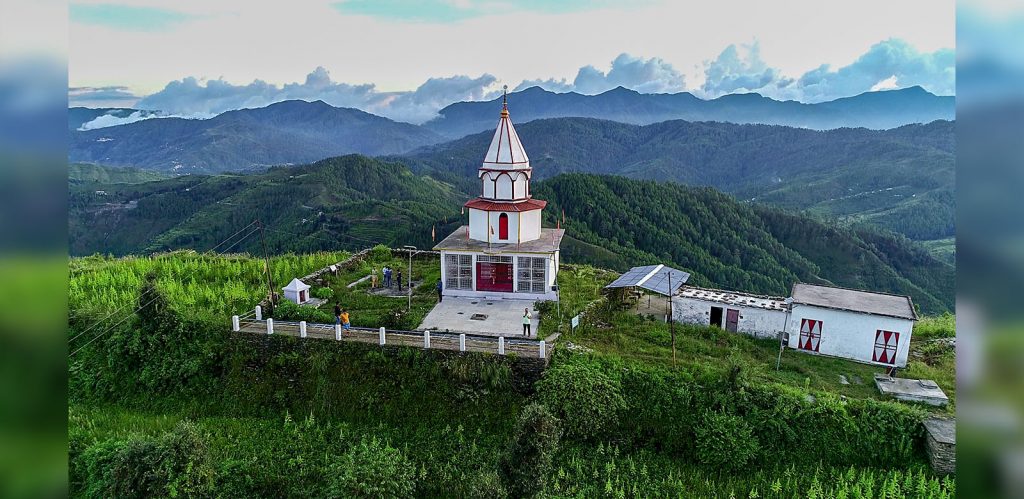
(503, 226)
(732, 319)
(494, 277)
(302, 296)
(810, 335)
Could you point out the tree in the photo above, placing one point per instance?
(526, 464)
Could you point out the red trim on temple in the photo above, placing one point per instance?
(528, 205)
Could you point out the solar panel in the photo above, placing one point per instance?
(652, 278)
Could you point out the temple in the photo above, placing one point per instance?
(503, 252)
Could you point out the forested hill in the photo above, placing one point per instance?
(614, 221)
(353, 202)
(877, 110)
(289, 132)
(349, 202)
(901, 179)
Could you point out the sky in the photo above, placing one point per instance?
(407, 59)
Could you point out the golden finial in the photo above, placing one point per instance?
(504, 101)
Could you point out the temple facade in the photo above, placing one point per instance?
(503, 252)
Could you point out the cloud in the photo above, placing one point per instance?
(107, 120)
(448, 11)
(891, 63)
(195, 97)
(652, 75)
(110, 96)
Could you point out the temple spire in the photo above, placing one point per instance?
(504, 101)
(506, 151)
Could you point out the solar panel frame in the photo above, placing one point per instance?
(657, 282)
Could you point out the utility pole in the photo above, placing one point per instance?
(408, 279)
(671, 321)
(266, 258)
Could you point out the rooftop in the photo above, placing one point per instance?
(459, 240)
(734, 298)
(854, 300)
(506, 151)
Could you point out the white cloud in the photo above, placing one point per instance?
(195, 97)
(652, 75)
(891, 63)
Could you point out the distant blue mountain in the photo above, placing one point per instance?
(875, 110)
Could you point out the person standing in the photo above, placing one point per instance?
(399, 278)
(439, 289)
(344, 319)
(373, 278)
(337, 314)
(387, 277)
(527, 317)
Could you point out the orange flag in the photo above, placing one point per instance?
(433, 233)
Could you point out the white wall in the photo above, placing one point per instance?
(756, 322)
(478, 225)
(530, 221)
(499, 185)
(850, 335)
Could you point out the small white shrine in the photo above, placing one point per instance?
(503, 252)
(296, 292)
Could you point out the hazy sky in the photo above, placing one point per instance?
(372, 52)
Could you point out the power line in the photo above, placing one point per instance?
(111, 328)
(111, 314)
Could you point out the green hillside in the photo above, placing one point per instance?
(900, 179)
(614, 222)
(85, 173)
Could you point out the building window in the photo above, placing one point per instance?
(503, 226)
(458, 271)
(886, 343)
(810, 335)
(531, 275)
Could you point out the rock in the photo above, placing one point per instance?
(843, 380)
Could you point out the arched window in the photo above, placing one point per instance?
(503, 226)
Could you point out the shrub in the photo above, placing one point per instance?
(380, 253)
(176, 464)
(725, 441)
(586, 399)
(288, 311)
(526, 463)
(324, 293)
(372, 468)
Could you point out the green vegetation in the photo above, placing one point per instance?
(900, 179)
(84, 173)
(169, 403)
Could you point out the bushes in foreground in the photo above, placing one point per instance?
(721, 422)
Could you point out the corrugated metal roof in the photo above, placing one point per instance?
(734, 298)
(652, 278)
(854, 300)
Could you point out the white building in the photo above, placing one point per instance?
(756, 315)
(503, 252)
(296, 292)
(859, 325)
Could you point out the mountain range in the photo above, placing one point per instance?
(876, 110)
(901, 179)
(289, 132)
(355, 202)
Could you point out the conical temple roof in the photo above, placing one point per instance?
(506, 151)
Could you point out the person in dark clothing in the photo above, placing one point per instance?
(398, 279)
(439, 289)
(337, 314)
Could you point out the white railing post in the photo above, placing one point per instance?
(382, 339)
(302, 329)
(270, 326)
(426, 340)
(259, 313)
(501, 345)
(543, 349)
(462, 342)
(337, 332)
(234, 323)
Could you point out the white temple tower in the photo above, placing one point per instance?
(503, 252)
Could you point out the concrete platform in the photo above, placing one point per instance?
(912, 390)
(503, 317)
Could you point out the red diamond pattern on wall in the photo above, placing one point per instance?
(886, 343)
(810, 335)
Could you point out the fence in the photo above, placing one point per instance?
(461, 342)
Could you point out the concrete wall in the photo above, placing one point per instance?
(756, 322)
(528, 231)
(504, 186)
(850, 335)
(530, 225)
